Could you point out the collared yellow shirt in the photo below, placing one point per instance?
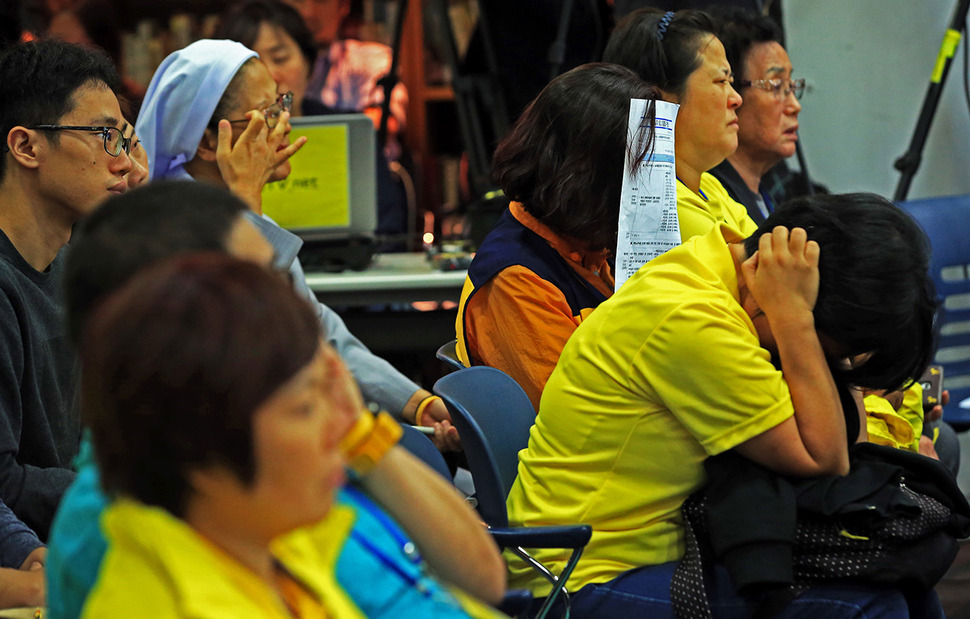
(158, 566)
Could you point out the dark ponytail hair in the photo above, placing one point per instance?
(665, 59)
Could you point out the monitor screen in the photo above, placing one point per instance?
(331, 191)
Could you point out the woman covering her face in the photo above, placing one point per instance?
(214, 113)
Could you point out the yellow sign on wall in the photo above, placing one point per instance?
(316, 194)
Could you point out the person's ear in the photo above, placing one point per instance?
(669, 97)
(26, 146)
(211, 479)
(207, 146)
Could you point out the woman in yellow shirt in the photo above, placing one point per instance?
(217, 415)
(679, 54)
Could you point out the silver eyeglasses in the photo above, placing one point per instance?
(272, 113)
(114, 141)
(781, 88)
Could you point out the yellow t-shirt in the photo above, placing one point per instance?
(698, 216)
(665, 373)
(896, 428)
(516, 305)
(158, 566)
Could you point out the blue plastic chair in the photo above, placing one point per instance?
(448, 352)
(946, 221)
(493, 416)
(422, 448)
(516, 601)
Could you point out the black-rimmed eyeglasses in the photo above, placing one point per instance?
(781, 88)
(272, 113)
(114, 141)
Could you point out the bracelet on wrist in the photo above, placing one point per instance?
(425, 403)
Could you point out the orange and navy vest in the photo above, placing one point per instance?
(512, 244)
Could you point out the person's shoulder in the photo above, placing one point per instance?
(129, 580)
(12, 292)
(10, 261)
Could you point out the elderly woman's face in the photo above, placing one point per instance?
(768, 120)
(258, 92)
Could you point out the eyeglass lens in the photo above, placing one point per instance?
(283, 104)
(115, 142)
(798, 86)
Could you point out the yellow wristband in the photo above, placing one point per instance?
(418, 414)
(384, 433)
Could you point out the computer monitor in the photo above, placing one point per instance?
(331, 192)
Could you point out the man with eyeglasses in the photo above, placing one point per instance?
(768, 116)
(65, 150)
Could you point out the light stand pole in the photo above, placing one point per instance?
(909, 162)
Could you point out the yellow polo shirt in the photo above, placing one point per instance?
(517, 306)
(896, 428)
(665, 373)
(697, 216)
(157, 566)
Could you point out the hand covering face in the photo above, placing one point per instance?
(181, 99)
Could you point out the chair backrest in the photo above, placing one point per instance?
(946, 221)
(422, 448)
(493, 416)
(448, 352)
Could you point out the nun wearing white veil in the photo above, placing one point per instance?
(179, 124)
(189, 123)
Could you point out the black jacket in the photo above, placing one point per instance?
(894, 518)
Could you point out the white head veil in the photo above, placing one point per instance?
(181, 99)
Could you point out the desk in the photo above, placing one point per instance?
(394, 280)
(390, 279)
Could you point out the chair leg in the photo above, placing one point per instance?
(558, 582)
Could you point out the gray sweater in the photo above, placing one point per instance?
(16, 539)
(39, 426)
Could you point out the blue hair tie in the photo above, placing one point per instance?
(663, 23)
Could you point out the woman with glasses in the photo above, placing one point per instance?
(768, 118)
(212, 94)
(276, 31)
(192, 126)
(679, 54)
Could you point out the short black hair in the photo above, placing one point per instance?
(241, 23)
(875, 295)
(564, 158)
(131, 231)
(739, 30)
(178, 361)
(665, 59)
(38, 81)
